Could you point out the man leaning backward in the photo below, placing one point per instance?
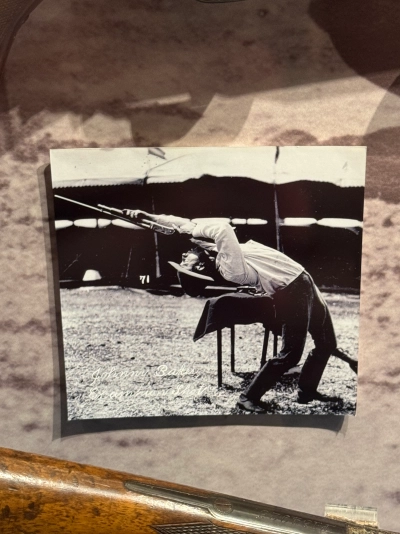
(299, 305)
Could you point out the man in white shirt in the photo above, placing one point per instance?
(299, 304)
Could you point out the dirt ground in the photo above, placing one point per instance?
(129, 353)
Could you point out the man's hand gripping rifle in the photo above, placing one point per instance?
(140, 218)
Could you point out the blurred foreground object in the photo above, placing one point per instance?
(45, 495)
(13, 13)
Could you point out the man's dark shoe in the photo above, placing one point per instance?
(304, 397)
(250, 406)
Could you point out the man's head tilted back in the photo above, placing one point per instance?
(199, 261)
(196, 270)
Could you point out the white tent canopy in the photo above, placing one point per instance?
(77, 167)
(248, 162)
(344, 166)
(340, 165)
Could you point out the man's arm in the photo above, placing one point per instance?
(166, 220)
(230, 260)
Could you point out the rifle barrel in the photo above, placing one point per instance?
(118, 214)
(102, 209)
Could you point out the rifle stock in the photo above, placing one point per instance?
(41, 495)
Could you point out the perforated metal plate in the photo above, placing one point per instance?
(193, 528)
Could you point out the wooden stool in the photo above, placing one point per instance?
(219, 350)
(237, 308)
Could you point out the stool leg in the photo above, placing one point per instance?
(233, 348)
(265, 346)
(219, 356)
(275, 344)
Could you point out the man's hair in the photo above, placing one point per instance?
(206, 262)
(194, 287)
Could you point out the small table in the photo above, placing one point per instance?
(237, 308)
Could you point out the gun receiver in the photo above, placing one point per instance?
(144, 223)
(47, 496)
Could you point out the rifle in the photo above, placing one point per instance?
(119, 214)
(41, 495)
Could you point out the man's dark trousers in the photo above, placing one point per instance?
(300, 308)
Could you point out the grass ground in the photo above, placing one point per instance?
(129, 353)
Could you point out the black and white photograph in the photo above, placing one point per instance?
(209, 281)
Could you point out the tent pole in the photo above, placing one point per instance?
(129, 264)
(277, 222)
(276, 207)
(158, 270)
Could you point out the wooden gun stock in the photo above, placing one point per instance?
(40, 495)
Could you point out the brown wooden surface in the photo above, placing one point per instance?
(46, 495)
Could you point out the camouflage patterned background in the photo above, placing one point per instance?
(85, 73)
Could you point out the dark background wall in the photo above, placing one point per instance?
(332, 255)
